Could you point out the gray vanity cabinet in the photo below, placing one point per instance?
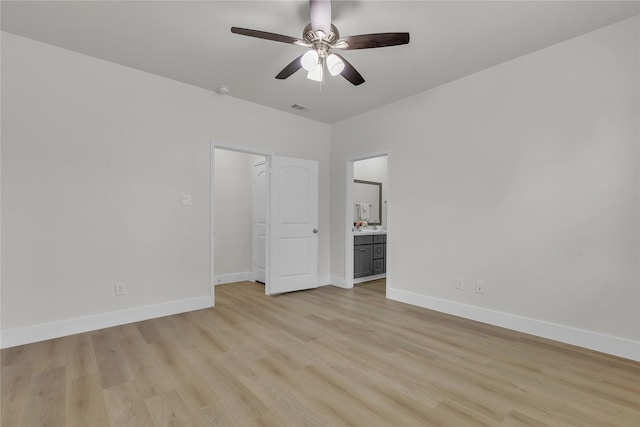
(362, 256)
(369, 254)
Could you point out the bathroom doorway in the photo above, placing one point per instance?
(367, 238)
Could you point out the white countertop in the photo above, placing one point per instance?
(368, 232)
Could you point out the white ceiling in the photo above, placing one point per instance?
(191, 42)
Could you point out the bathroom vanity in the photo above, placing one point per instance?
(369, 255)
(369, 239)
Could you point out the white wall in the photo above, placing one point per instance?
(94, 158)
(233, 210)
(525, 176)
(374, 169)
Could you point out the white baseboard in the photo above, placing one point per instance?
(339, 282)
(621, 347)
(234, 277)
(45, 331)
(324, 280)
(369, 278)
(248, 276)
(342, 283)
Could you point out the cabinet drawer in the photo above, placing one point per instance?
(379, 251)
(379, 238)
(363, 240)
(378, 266)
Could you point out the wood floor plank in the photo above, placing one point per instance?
(283, 401)
(15, 380)
(349, 401)
(148, 375)
(44, 355)
(191, 387)
(80, 357)
(125, 407)
(85, 402)
(199, 333)
(111, 363)
(323, 357)
(153, 330)
(240, 402)
(518, 419)
(46, 400)
(168, 410)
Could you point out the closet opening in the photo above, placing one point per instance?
(239, 206)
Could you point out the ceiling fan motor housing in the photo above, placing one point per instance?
(321, 45)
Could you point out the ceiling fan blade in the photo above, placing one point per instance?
(369, 41)
(350, 73)
(287, 71)
(320, 14)
(268, 36)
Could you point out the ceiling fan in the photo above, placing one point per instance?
(321, 36)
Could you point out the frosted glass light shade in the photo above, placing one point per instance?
(309, 60)
(316, 74)
(335, 65)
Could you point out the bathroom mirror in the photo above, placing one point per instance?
(367, 199)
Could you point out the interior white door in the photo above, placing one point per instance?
(293, 263)
(259, 221)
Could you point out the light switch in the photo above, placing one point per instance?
(185, 200)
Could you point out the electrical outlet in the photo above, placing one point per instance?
(460, 283)
(121, 288)
(480, 287)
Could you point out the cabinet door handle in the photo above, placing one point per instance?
(361, 249)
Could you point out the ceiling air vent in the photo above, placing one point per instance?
(300, 107)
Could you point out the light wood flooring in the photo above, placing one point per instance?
(326, 357)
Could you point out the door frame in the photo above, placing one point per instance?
(266, 216)
(240, 149)
(348, 231)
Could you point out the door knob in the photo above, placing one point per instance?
(315, 231)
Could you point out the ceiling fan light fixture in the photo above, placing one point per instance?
(309, 60)
(316, 74)
(321, 36)
(335, 65)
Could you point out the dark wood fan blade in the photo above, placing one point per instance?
(287, 71)
(350, 73)
(268, 36)
(369, 41)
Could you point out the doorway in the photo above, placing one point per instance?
(368, 195)
(286, 240)
(240, 210)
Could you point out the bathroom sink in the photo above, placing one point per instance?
(369, 231)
